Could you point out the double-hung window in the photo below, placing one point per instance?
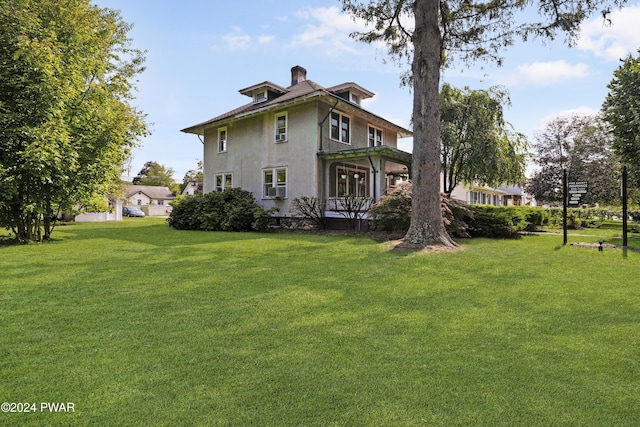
(222, 140)
(375, 137)
(274, 183)
(281, 127)
(340, 128)
(223, 181)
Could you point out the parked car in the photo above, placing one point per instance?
(132, 211)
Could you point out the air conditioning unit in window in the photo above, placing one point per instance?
(281, 137)
(276, 192)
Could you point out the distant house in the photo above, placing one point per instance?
(302, 140)
(474, 194)
(153, 200)
(113, 214)
(192, 188)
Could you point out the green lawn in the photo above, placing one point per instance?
(138, 324)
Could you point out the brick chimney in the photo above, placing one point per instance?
(298, 74)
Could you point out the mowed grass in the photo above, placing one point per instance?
(139, 324)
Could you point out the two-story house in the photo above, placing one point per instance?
(302, 140)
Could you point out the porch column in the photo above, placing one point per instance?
(380, 177)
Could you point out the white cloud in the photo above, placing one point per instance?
(263, 40)
(546, 73)
(327, 28)
(615, 41)
(580, 111)
(237, 40)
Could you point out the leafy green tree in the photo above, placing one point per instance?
(593, 160)
(478, 145)
(66, 79)
(192, 175)
(429, 34)
(621, 109)
(579, 144)
(153, 173)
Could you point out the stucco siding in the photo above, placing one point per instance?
(252, 148)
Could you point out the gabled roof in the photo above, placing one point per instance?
(151, 191)
(301, 91)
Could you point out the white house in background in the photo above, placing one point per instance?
(192, 188)
(114, 213)
(302, 140)
(152, 200)
(484, 195)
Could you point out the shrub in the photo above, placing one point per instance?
(535, 217)
(312, 209)
(456, 215)
(393, 212)
(497, 221)
(231, 210)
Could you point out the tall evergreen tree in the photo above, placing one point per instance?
(621, 110)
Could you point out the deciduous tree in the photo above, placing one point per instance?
(66, 78)
(153, 173)
(431, 33)
(478, 144)
(579, 144)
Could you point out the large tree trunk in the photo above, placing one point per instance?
(427, 226)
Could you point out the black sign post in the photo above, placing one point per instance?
(564, 206)
(624, 211)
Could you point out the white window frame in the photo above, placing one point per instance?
(376, 132)
(341, 118)
(223, 143)
(260, 96)
(282, 136)
(266, 186)
(226, 181)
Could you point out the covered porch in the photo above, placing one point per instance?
(366, 173)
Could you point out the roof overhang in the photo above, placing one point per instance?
(358, 153)
(321, 94)
(248, 91)
(200, 128)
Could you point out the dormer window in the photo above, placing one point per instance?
(262, 92)
(355, 98)
(260, 96)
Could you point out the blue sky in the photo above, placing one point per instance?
(200, 53)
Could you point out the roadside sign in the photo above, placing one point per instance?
(577, 189)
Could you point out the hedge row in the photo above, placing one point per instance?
(231, 210)
(505, 221)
